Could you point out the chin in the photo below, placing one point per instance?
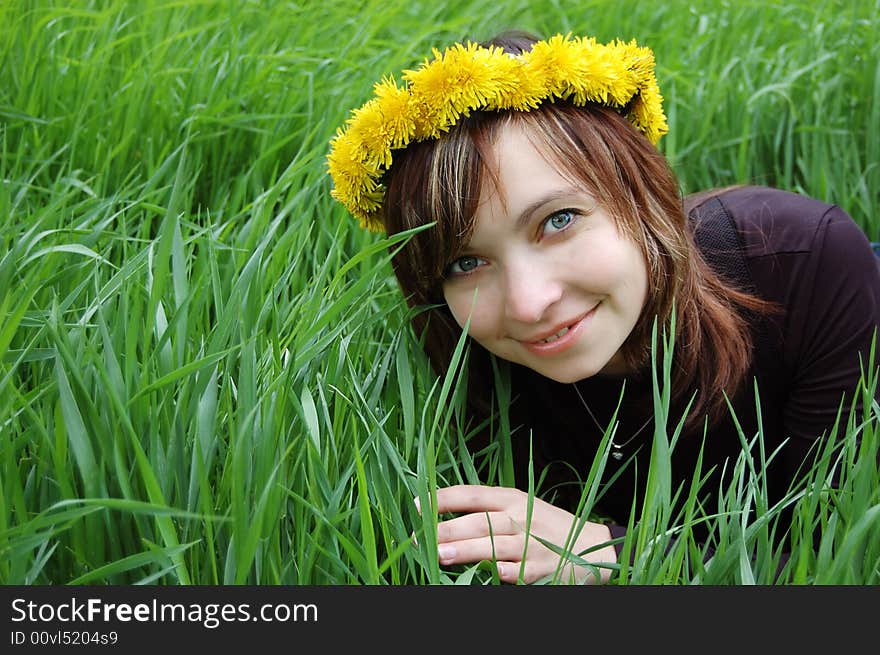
(571, 376)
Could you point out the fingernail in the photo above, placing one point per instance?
(446, 552)
(500, 570)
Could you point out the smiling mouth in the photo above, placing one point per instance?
(561, 333)
(554, 337)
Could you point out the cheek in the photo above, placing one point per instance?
(601, 270)
(457, 302)
(634, 287)
(640, 275)
(621, 266)
(466, 302)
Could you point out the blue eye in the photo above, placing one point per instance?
(463, 265)
(558, 221)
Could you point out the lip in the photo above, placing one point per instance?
(564, 342)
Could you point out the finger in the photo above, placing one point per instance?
(504, 547)
(549, 569)
(508, 572)
(475, 498)
(477, 524)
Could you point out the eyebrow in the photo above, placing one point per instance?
(551, 196)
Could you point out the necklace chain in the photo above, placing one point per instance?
(617, 448)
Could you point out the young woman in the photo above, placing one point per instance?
(559, 238)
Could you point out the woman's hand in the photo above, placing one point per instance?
(465, 539)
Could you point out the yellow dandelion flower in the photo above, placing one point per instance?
(431, 87)
(517, 89)
(555, 61)
(368, 129)
(474, 74)
(466, 78)
(353, 177)
(647, 113)
(394, 105)
(597, 75)
(346, 158)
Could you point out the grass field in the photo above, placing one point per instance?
(206, 370)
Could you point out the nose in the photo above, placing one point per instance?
(530, 291)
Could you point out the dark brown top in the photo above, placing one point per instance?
(817, 263)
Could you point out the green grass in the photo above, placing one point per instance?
(206, 370)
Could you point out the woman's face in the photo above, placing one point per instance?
(546, 279)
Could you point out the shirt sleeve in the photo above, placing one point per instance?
(836, 318)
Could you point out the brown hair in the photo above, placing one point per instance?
(440, 180)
